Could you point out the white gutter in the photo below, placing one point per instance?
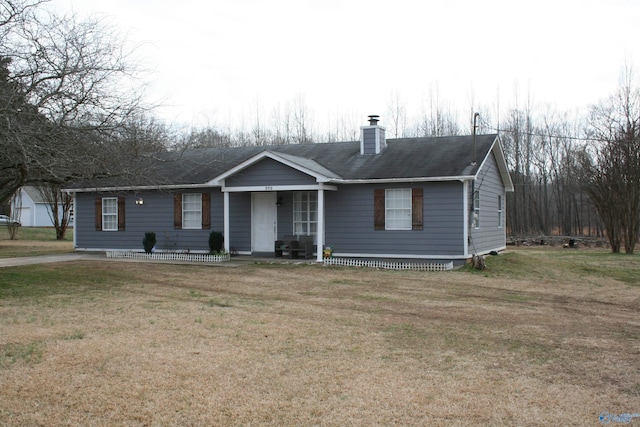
(138, 188)
(403, 180)
(212, 185)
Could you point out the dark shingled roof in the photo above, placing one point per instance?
(404, 158)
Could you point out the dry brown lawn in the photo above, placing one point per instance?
(156, 344)
(32, 241)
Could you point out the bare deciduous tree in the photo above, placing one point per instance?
(302, 121)
(611, 167)
(65, 83)
(60, 205)
(397, 116)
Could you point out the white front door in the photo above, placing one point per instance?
(263, 221)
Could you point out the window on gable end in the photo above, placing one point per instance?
(476, 209)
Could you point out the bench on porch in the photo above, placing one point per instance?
(294, 247)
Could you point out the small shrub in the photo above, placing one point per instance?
(216, 239)
(149, 241)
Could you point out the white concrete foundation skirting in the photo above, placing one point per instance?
(169, 256)
(389, 265)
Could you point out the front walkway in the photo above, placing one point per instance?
(235, 261)
(47, 259)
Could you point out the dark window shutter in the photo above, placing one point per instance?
(99, 214)
(378, 209)
(416, 209)
(206, 211)
(177, 211)
(121, 214)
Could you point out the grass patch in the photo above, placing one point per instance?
(215, 302)
(38, 281)
(193, 293)
(77, 335)
(517, 297)
(37, 234)
(34, 241)
(335, 346)
(28, 353)
(556, 264)
(378, 298)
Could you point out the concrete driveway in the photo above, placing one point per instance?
(47, 259)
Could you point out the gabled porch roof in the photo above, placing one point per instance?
(302, 164)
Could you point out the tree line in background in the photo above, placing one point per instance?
(574, 174)
(72, 109)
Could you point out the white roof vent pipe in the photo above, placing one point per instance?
(372, 137)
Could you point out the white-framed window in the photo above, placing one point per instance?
(398, 209)
(192, 211)
(476, 209)
(500, 216)
(305, 213)
(110, 214)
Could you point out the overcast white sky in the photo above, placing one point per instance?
(217, 59)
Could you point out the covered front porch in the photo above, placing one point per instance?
(277, 212)
(287, 197)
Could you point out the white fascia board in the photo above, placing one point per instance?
(136, 188)
(262, 155)
(497, 151)
(307, 187)
(220, 183)
(403, 180)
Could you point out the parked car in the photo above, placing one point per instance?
(6, 221)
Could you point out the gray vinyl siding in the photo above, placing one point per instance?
(268, 172)
(369, 141)
(350, 222)
(240, 222)
(488, 236)
(285, 214)
(156, 214)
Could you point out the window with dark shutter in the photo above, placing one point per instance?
(416, 209)
(121, 204)
(99, 214)
(378, 209)
(197, 216)
(398, 209)
(177, 211)
(110, 214)
(206, 211)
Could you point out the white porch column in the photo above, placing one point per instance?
(75, 219)
(320, 235)
(226, 221)
(465, 217)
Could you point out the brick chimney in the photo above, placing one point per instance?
(372, 137)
